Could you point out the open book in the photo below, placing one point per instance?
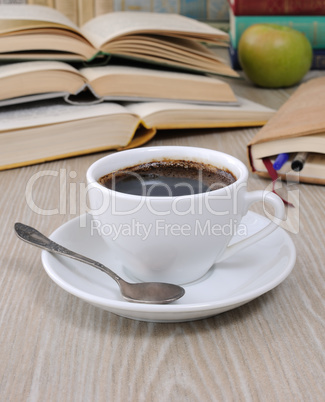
(49, 130)
(37, 32)
(298, 126)
(35, 80)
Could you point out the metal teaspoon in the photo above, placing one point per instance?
(145, 292)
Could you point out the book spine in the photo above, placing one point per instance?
(312, 26)
(277, 7)
(193, 9)
(48, 3)
(103, 7)
(69, 8)
(166, 6)
(318, 62)
(217, 10)
(233, 56)
(133, 5)
(13, 1)
(211, 10)
(85, 11)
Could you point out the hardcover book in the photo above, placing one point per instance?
(312, 26)
(51, 129)
(277, 7)
(298, 126)
(42, 33)
(318, 62)
(35, 80)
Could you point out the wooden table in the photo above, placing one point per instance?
(56, 347)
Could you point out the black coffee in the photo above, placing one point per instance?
(168, 178)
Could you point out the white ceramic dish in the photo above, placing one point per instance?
(229, 284)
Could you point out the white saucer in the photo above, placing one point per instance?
(227, 285)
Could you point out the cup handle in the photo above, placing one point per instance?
(279, 211)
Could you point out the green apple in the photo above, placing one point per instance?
(274, 56)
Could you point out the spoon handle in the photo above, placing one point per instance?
(34, 237)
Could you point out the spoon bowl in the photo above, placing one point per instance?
(145, 292)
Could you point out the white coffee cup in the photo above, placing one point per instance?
(174, 239)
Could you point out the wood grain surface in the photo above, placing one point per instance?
(56, 347)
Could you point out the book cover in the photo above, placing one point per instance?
(277, 7)
(298, 126)
(312, 26)
(318, 62)
(233, 57)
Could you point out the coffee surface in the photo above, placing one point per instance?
(168, 178)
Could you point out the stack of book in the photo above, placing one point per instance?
(307, 17)
(110, 84)
(81, 11)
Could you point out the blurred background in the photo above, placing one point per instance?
(80, 11)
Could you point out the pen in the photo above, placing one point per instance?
(299, 161)
(280, 160)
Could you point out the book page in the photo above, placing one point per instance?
(144, 109)
(313, 171)
(310, 143)
(7, 70)
(34, 79)
(69, 138)
(157, 44)
(135, 83)
(179, 115)
(109, 26)
(52, 112)
(34, 13)
(93, 73)
(8, 25)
